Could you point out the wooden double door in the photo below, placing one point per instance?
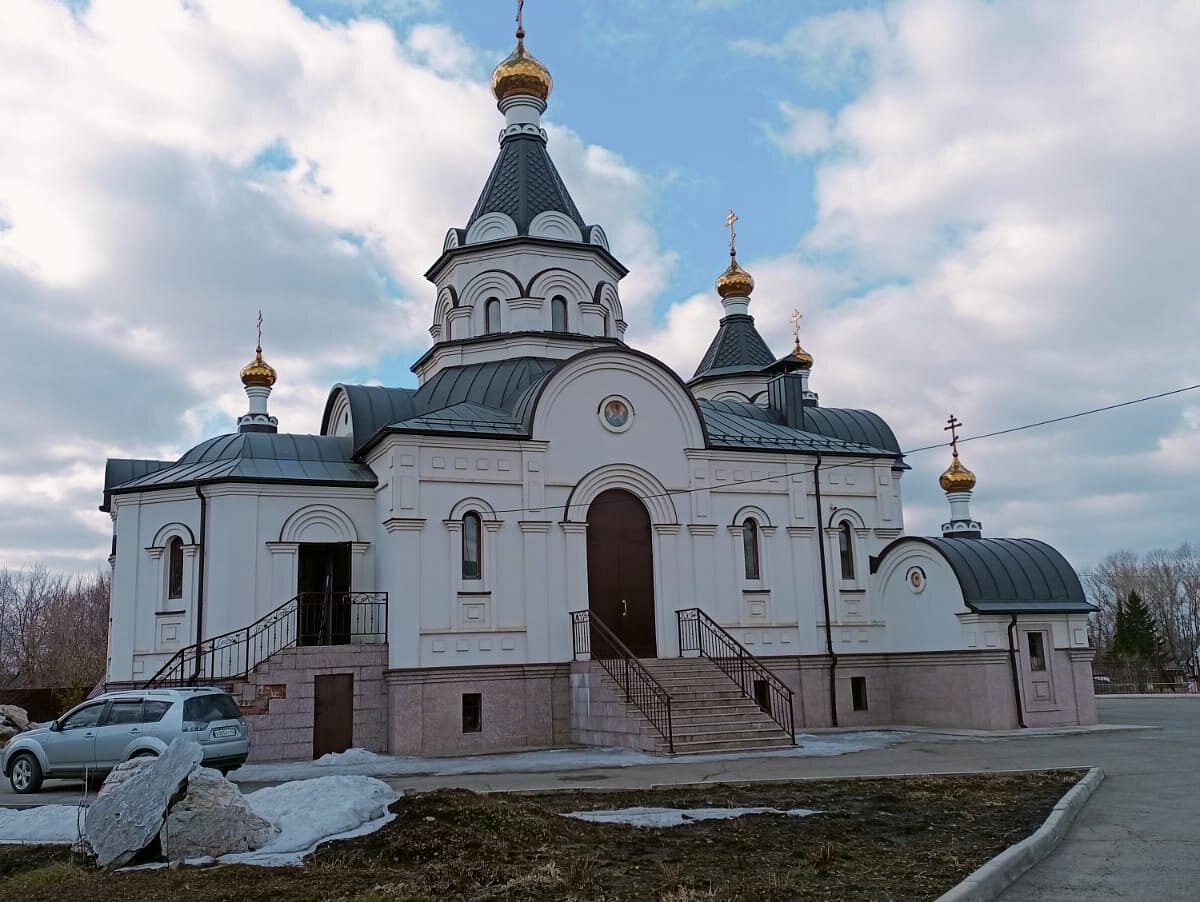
(620, 559)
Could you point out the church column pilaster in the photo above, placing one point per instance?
(667, 575)
(704, 564)
(404, 592)
(542, 620)
(575, 535)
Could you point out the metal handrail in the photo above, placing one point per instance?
(594, 639)
(700, 633)
(310, 618)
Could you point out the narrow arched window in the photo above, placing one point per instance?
(491, 316)
(175, 568)
(606, 324)
(558, 313)
(846, 549)
(472, 546)
(750, 548)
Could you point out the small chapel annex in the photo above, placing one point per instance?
(554, 539)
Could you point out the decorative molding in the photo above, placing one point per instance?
(703, 529)
(404, 524)
(534, 526)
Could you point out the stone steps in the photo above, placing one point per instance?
(709, 712)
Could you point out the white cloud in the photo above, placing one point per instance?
(804, 131)
(1015, 188)
(172, 167)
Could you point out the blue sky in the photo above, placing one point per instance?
(982, 208)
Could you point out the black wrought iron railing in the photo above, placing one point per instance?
(595, 640)
(310, 618)
(700, 633)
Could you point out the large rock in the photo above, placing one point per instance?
(127, 817)
(14, 716)
(213, 819)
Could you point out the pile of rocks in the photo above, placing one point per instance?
(171, 808)
(13, 720)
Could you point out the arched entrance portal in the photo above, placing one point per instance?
(620, 559)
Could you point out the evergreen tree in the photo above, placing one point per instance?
(1136, 636)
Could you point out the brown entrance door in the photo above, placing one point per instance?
(621, 569)
(323, 583)
(333, 713)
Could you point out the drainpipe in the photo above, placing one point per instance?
(825, 598)
(200, 580)
(1016, 677)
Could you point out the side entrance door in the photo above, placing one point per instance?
(620, 555)
(323, 583)
(333, 713)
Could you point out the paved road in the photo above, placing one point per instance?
(1137, 838)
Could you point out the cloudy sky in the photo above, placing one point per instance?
(987, 209)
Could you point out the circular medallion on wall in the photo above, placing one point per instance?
(616, 413)
(916, 579)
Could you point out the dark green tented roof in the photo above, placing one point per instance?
(524, 183)
(1007, 576)
(118, 470)
(736, 348)
(740, 424)
(257, 457)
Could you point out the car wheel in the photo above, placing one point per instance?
(26, 774)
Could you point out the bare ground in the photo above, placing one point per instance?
(893, 838)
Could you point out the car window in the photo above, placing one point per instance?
(83, 717)
(122, 711)
(207, 708)
(153, 711)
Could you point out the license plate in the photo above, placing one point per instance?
(224, 732)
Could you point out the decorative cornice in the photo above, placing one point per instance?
(703, 529)
(404, 524)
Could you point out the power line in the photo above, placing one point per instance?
(870, 461)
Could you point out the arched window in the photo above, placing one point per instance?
(607, 329)
(491, 316)
(558, 313)
(750, 548)
(175, 568)
(846, 549)
(472, 546)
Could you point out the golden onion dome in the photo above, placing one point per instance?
(957, 478)
(258, 371)
(735, 282)
(803, 359)
(521, 73)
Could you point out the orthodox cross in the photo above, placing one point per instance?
(953, 428)
(260, 321)
(520, 17)
(796, 317)
(729, 221)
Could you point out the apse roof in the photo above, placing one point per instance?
(249, 457)
(524, 183)
(826, 428)
(1008, 576)
(736, 348)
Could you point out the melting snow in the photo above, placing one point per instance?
(674, 817)
(48, 824)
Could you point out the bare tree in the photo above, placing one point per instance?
(53, 631)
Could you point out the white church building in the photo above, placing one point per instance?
(554, 539)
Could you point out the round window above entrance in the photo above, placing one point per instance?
(616, 413)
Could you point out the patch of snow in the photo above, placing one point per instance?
(309, 812)
(675, 817)
(361, 762)
(48, 824)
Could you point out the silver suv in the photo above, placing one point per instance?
(94, 737)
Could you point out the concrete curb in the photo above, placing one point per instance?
(1002, 871)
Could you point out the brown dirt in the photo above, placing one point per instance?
(896, 838)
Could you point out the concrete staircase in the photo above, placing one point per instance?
(709, 713)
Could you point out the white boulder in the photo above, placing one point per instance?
(213, 819)
(127, 816)
(14, 716)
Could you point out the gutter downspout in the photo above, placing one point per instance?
(825, 598)
(1016, 678)
(200, 581)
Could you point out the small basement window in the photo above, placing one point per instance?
(858, 690)
(472, 712)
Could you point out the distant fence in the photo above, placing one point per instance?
(40, 704)
(1141, 681)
